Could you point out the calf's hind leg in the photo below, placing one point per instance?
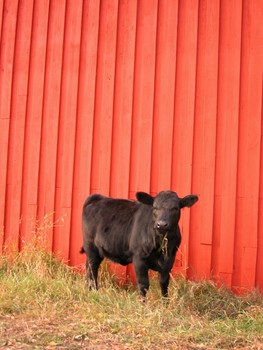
(92, 264)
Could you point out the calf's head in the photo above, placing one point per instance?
(166, 208)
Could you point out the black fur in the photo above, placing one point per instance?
(143, 232)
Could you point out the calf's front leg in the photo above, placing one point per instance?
(164, 278)
(141, 270)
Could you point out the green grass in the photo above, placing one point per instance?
(44, 303)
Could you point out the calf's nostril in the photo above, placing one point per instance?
(162, 225)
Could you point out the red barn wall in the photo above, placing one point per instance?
(116, 96)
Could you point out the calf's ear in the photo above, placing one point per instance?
(144, 198)
(188, 201)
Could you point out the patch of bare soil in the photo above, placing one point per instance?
(18, 333)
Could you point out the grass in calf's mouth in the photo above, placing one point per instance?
(45, 303)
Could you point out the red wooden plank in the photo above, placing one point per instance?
(67, 126)
(17, 123)
(1, 16)
(7, 44)
(204, 139)
(259, 265)
(102, 137)
(122, 117)
(249, 146)
(34, 120)
(84, 129)
(226, 140)
(181, 170)
(50, 118)
(143, 97)
(164, 96)
(4, 127)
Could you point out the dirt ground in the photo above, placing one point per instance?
(18, 333)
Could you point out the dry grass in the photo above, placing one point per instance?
(44, 304)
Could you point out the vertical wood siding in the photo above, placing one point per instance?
(116, 96)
